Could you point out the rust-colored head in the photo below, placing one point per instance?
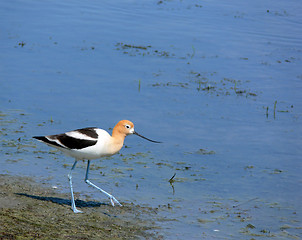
(124, 128)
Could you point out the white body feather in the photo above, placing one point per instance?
(102, 147)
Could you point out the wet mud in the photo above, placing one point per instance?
(31, 211)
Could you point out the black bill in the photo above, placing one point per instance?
(146, 138)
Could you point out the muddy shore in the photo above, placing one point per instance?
(31, 211)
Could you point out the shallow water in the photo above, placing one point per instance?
(219, 83)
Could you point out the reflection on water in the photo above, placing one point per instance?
(219, 83)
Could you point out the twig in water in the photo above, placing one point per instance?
(171, 179)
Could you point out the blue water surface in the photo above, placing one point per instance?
(218, 82)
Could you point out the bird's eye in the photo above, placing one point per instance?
(127, 126)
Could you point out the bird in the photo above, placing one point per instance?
(88, 144)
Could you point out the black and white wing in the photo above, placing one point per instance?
(77, 139)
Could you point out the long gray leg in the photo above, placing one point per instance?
(112, 199)
(73, 206)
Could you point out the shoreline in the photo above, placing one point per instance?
(31, 211)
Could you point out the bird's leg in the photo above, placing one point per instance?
(112, 199)
(73, 206)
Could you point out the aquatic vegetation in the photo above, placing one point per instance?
(205, 220)
(286, 108)
(249, 167)
(135, 156)
(178, 5)
(22, 44)
(170, 84)
(117, 170)
(139, 85)
(13, 133)
(133, 50)
(207, 82)
(141, 50)
(275, 104)
(202, 152)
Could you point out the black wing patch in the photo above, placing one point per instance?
(69, 142)
(45, 140)
(74, 143)
(90, 132)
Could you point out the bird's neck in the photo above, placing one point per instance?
(117, 141)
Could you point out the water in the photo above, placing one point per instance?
(218, 82)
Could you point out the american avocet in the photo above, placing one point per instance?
(88, 144)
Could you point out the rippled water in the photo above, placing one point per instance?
(218, 82)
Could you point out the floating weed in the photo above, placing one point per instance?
(65, 165)
(204, 221)
(179, 179)
(273, 171)
(206, 82)
(172, 6)
(203, 82)
(2, 114)
(274, 204)
(129, 46)
(251, 230)
(160, 164)
(202, 151)
(277, 171)
(133, 50)
(225, 86)
(134, 156)
(205, 152)
(170, 84)
(249, 167)
(141, 163)
(21, 44)
(139, 154)
(166, 219)
(222, 213)
(208, 88)
(141, 50)
(9, 143)
(250, 226)
(214, 203)
(96, 167)
(241, 92)
(13, 160)
(40, 152)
